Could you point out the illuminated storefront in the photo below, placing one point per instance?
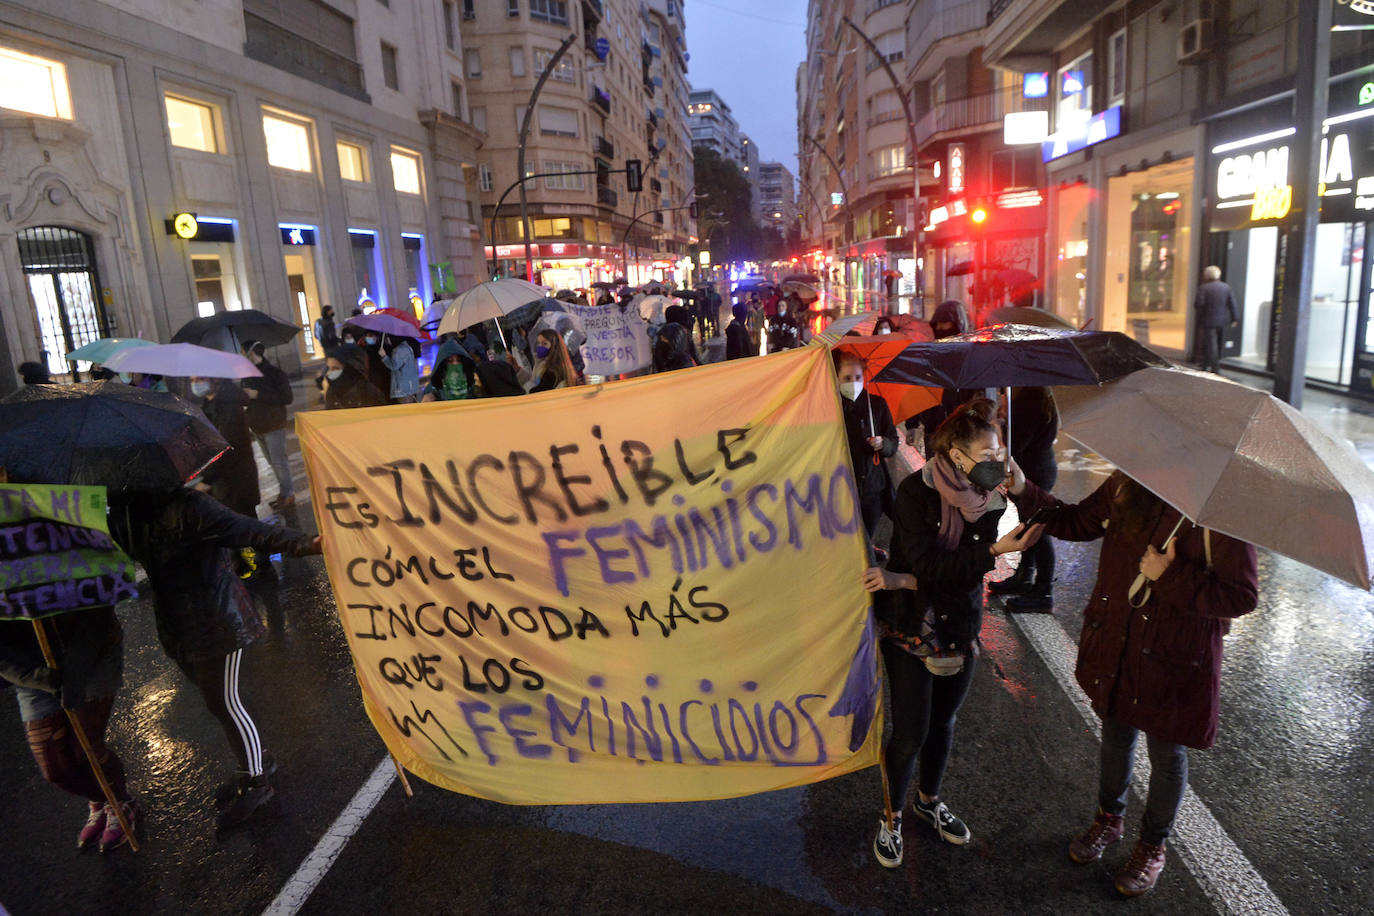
(1250, 192)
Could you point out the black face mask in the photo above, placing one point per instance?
(987, 475)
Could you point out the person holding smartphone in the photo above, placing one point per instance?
(930, 608)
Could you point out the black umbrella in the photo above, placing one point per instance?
(104, 434)
(962, 268)
(226, 330)
(802, 278)
(1014, 355)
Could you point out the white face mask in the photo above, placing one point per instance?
(200, 389)
(333, 374)
(126, 378)
(851, 389)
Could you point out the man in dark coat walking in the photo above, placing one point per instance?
(268, 396)
(1215, 308)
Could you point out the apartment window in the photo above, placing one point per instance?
(1116, 67)
(451, 25)
(549, 11)
(390, 74)
(469, 10)
(34, 85)
(512, 8)
(191, 124)
(888, 160)
(405, 171)
(563, 182)
(558, 122)
(472, 61)
(563, 72)
(352, 161)
(1073, 102)
(479, 117)
(517, 61)
(456, 98)
(484, 176)
(288, 144)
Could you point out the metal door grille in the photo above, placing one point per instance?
(59, 265)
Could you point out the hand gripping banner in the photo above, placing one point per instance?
(641, 591)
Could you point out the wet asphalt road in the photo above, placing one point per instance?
(1288, 782)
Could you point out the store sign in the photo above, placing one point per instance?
(194, 228)
(938, 216)
(1015, 200)
(297, 235)
(1260, 180)
(837, 198)
(1035, 85)
(1347, 15)
(560, 250)
(956, 168)
(1102, 126)
(1025, 127)
(185, 225)
(1367, 94)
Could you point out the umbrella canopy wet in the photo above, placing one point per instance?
(904, 399)
(226, 330)
(185, 360)
(489, 300)
(382, 323)
(1016, 314)
(861, 323)
(1235, 460)
(1016, 355)
(97, 351)
(104, 434)
(962, 268)
(805, 291)
(801, 278)
(651, 308)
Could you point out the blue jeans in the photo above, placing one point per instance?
(273, 445)
(1168, 778)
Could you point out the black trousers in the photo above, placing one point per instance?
(924, 707)
(1211, 348)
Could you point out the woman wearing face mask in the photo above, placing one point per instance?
(345, 380)
(399, 356)
(872, 438)
(233, 478)
(944, 542)
(453, 377)
(553, 367)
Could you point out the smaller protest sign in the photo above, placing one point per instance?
(56, 554)
(617, 339)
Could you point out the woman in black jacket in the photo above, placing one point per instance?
(944, 543)
(268, 397)
(233, 477)
(346, 383)
(186, 542)
(872, 439)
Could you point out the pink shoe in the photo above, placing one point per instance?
(114, 836)
(95, 826)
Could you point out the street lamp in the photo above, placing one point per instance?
(520, 152)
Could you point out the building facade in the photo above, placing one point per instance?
(777, 200)
(1168, 152)
(616, 95)
(712, 123)
(315, 153)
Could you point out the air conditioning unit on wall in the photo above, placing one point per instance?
(1194, 40)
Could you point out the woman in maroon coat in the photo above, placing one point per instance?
(1150, 658)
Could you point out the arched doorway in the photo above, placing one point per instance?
(59, 265)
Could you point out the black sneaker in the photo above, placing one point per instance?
(1032, 603)
(950, 828)
(1012, 585)
(887, 845)
(226, 792)
(253, 792)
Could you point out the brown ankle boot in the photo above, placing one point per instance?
(1141, 871)
(1105, 830)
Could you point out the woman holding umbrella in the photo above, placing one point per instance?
(872, 439)
(944, 542)
(1149, 657)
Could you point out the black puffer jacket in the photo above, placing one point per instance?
(267, 411)
(183, 542)
(233, 477)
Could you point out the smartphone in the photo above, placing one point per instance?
(1040, 516)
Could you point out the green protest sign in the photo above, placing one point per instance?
(56, 554)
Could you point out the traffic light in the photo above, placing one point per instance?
(978, 215)
(692, 210)
(634, 175)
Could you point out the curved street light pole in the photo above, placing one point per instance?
(520, 153)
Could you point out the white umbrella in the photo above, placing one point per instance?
(183, 360)
(651, 308)
(489, 300)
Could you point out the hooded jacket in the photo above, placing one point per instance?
(352, 389)
(183, 542)
(672, 348)
(233, 477)
(267, 412)
(448, 349)
(499, 379)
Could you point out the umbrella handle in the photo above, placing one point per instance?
(1139, 592)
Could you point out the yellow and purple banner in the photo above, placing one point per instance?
(641, 591)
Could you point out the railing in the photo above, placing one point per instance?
(974, 110)
(876, 5)
(606, 196)
(605, 148)
(997, 8)
(882, 117)
(943, 19)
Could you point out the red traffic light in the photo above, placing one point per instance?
(978, 215)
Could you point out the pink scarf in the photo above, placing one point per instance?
(960, 500)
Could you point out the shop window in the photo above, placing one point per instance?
(367, 269)
(288, 144)
(391, 74)
(889, 160)
(484, 176)
(34, 85)
(417, 271)
(1073, 85)
(517, 61)
(557, 122)
(479, 117)
(352, 162)
(563, 182)
(191, 124)
(1116, 67)
(405, 171)
(472, 59)
(549, 11)
(512, 8)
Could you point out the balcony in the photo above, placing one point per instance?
(606, 197)
(943, 19)
(601, 98)
(604, 148)
(655, 185)
(281, 48)
(592, 12)
(1022, 34)
(976, 111)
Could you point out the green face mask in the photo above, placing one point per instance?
(455, 384)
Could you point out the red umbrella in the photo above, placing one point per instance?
(408, 317)
(904, 400)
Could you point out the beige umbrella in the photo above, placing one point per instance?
(489, 300)
(1233, 459)
(805, 291)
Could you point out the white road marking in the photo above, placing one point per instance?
(1227, 877)
(316, 865)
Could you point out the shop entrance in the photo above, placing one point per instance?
(59, 265)
(305, 298)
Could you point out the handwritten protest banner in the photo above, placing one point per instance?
(617, 339)
(640, 591)
(55, 552)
